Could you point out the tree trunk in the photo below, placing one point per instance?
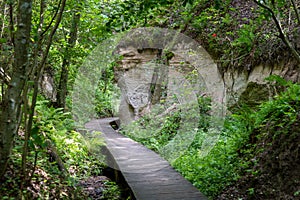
(11, 105)
(54, 156)
(28, 114)
(63, 81)
(39, 70)
(159, 80)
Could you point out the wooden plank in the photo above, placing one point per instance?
(149, 176)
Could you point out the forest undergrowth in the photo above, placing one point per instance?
(256, 156)
(62, 162)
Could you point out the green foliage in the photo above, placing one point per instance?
(122, 15)
(237, 34)
(213, 172)
(112, 193)
(158, 138)
(283, 110)
(55, 125)
(233, 155)
(106, 94)
(220, 167)
(80, 157)
(155, 133)
(246, 37)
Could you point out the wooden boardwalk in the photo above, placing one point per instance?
(149, 176)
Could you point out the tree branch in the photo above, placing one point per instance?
(282, 35)
(52, 20)
(40, 68)
(296, 11)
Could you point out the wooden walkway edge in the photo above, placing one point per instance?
(149, 176)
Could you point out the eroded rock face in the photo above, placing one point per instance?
(252, 88)
(148, 76)
(157, 64)
(47, 86)
(134, 75)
